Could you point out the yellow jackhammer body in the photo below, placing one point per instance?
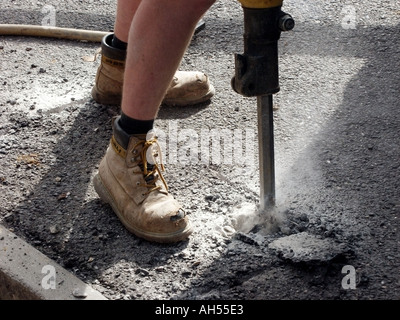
(257, 74)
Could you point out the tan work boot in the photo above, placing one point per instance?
(187, 87)
(130, 180)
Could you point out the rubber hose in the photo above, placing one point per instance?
(51, 32)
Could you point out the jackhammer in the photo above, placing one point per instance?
(257, 74)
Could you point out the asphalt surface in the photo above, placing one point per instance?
(337, 159)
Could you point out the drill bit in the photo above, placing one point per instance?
(266, 151)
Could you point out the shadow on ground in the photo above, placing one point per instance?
(64, 219)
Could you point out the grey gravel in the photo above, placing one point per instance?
(337, 159)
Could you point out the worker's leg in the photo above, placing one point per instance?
(159, 36)
(187, 87)
(126, 9)
(130, 175)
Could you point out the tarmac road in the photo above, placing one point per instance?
(337, 159)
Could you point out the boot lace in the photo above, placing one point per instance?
(151, 172)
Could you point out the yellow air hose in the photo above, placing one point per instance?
(28, 30)
(51, 32)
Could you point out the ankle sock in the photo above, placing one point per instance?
(119, 44)
(134, 126)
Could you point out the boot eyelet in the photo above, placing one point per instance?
(134, 151)
(138, 183)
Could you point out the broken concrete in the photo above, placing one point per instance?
(305, 247)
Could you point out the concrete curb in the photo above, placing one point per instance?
(27, 274)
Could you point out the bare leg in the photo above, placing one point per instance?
(158, 37)
(126, 10)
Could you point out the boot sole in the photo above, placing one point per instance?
(105, 99)
(116, 100)
(106, 196)
(183, 102)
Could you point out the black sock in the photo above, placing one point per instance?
(119, 44)
(133, 126)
